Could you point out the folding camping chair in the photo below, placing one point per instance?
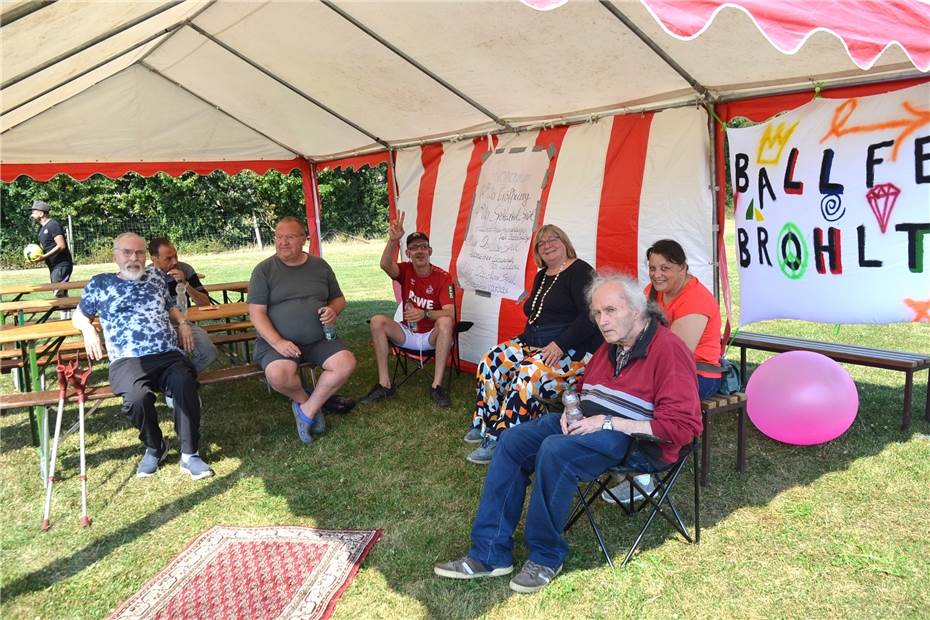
(659, 500)
(407, 362)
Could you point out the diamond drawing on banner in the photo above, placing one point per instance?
(882, 199)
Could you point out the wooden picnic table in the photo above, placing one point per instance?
(21, 308)
(63, 329)
(241, 287)
(27, 336)
(18, 290)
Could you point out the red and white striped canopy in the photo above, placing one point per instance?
(204, 80)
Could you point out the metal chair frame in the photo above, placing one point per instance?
(659, 500)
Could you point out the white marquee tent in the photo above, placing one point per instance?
(619, 88)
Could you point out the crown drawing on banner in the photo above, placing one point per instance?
(773, 142)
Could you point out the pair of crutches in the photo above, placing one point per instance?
(68, 372)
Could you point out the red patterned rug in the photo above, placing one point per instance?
(254, 572)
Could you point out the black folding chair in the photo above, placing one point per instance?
(407, 362)
(659, 500)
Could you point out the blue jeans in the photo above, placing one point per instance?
(707, 386)
(560, 462)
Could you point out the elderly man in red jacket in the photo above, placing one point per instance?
(641, 380)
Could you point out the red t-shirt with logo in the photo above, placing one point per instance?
(430, 292)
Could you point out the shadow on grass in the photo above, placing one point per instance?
(400, 466)
(99, 548)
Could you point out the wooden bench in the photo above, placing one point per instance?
(723, 403)
(908, 363)
(99, 392)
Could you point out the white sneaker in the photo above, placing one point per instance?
(622, 490)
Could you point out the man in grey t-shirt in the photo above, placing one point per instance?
(292, 295)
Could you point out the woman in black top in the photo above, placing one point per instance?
(517, 375)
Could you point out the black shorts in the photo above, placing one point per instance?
(60, 273)
(315, 353)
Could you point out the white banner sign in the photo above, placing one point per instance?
(494, 253)
(832, 207)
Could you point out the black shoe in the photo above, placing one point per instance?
(377, 394)
(338, 405)
(438, 395)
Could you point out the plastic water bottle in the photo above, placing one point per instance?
(329, 331)
(181, 300)
(572, 404)
(411, 325)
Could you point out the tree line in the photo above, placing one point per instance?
(199, 213)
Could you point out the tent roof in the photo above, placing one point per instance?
(196, 80)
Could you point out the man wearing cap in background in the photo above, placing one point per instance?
(426, 294)
(54, 246)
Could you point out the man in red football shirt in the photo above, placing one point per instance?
(426, 294)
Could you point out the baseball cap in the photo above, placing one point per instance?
(417, 236)
(39, 205)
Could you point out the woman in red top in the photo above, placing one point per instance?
(692, 311)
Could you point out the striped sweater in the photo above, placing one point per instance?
(658, 384)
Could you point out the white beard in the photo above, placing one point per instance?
(132, 275)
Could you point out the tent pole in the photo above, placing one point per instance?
(703, 92)
(717, 220)
(167, 32)
(293, 151)
(88, 44)
(286, 84)
(826, 86)
(312, 200)
(371, 33)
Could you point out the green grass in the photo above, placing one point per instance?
(838, 530)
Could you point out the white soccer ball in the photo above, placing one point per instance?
(32, 251)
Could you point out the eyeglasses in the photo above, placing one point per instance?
(289, 237)
(418, 246)
(547, 241)
(127, 253)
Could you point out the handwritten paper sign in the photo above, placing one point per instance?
(494, 254)
(832, 207)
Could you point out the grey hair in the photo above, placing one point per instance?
(632, 294)
(122, 236)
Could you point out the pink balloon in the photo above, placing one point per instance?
(801, 398)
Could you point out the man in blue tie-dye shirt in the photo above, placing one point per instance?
(138, 325)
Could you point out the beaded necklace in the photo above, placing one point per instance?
(540, 296)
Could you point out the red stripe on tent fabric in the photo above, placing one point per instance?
(511, 321)
(355, 163)
(430, 155)
(618, 216)
(469, 188)
(81, 171)
(762, 108)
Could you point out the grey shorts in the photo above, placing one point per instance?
(315, 353)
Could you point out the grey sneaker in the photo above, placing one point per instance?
(533, 577)
(196, 468)
(469, 568)
(151, 460)
(438, 396)
(622, 490)
(483, 454)
(474, 435)
(376, 394)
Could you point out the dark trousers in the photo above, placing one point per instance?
(60, 273)
(137, 378)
